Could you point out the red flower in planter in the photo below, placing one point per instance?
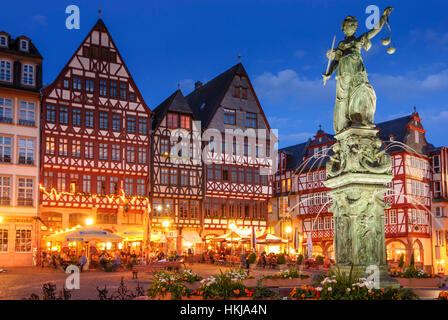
(237, 292)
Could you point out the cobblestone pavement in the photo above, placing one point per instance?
(19, 283)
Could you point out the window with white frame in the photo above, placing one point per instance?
(24, 45)
(28, 75)
(23, 239)
(437, 189)
(3, 239)
(5, 110)
(25, 192)
(87, 184)
(436, 163)
(327, 223)
(26, 151)
(5, 149)
(393, 217)
(440, 238)
(5, 71)
(3, 41)
(27, 113)
(439, 212)
(5, 190)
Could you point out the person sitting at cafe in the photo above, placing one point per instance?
(82, 260)
(117, 262)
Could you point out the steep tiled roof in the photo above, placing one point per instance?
(295, 154)
(13, 47)
(395, 127)
(176, 103)
(205, 99)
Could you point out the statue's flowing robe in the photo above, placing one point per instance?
(355, 97)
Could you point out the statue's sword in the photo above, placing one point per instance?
(329, 59)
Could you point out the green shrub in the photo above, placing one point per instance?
(401, 262)
(281, 259)
(252, 258)
(300, 259)
(319, 259)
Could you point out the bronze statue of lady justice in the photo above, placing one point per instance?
(355, 98)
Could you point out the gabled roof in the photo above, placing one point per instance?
(175, 103)
(395, 127)
(14, 47)
(295, 154)
(206, 99)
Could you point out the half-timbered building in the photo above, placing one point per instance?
(407, 221)
(20, 84)
(237, 189)
(95, 149)
(439, 165)
(176, 173)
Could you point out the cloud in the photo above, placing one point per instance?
(289, 88)
(40, 19)
(280, 122)
(187, 85)
(430, 36)
(408, 86)
(294, 138)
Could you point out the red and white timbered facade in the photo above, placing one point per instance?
(300, 191)
(236, 189)
(176, 172)
(95, 143)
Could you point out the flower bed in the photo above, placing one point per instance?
(413, 278)
(443, 295)
(289, 278)
(340, 286)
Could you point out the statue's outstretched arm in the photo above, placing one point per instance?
(370, 34)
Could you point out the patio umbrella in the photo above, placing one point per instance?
(231, 237)
(253, 239)
(309, 244)
(268, 239)
(131, 234)
(85, 234)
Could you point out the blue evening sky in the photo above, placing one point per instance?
(282, 43)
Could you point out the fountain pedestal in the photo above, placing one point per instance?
(357, 173)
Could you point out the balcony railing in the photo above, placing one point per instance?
(5, 120)
(5, 158)
(5, 201)
(29, 123)
(22, 160)
(25, 202)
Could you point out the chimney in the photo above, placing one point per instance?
(197, 84)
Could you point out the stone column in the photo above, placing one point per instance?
(357, 173)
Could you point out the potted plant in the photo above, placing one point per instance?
(252, 261)
(300, 259)
(281, 261)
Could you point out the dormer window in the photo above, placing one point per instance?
(5, 70)
(23, 45)
(3, 41)
(28, 75)
(172, 120)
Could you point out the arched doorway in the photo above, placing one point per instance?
(394, 250)
(329, 253)
(417, 250)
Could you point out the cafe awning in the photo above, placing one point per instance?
(191, 236)
(88, 233)
(268, 239)
(131, 234)
(232, 237)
